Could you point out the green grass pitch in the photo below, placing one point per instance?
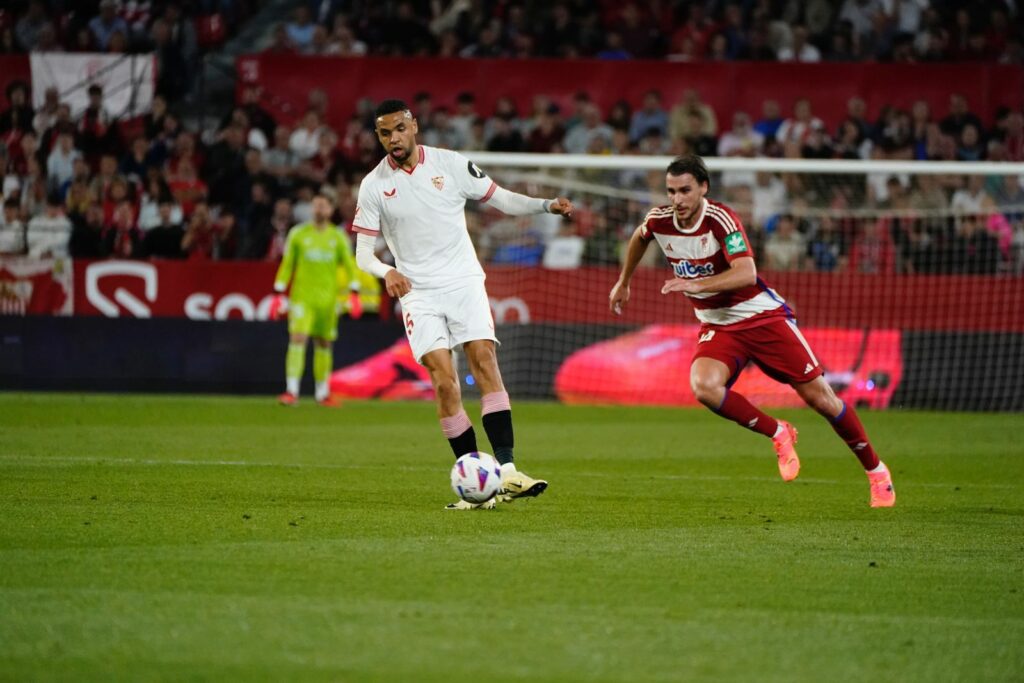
(182, 538)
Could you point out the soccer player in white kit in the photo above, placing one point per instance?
(416, 198)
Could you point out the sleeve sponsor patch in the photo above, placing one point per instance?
(735, 243)
(475, 171)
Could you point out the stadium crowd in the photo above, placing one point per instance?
(683, 30)
(94, 187)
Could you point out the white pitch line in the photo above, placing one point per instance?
(46, 460)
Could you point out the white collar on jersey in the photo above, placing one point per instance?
(700, 219)
(395, 167)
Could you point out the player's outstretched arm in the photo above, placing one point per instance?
(742, 273)
(619, 295)
(515, 204)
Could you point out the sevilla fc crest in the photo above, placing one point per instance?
(438, 181)
(704, 244)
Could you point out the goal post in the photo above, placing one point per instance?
(907, 278)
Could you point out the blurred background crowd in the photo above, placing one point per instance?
(165, 186)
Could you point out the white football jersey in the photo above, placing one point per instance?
(422, 215)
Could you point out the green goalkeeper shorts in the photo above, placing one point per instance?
(320, 322)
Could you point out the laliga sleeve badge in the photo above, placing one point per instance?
(475, 171)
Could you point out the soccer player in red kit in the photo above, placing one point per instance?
(742, 320)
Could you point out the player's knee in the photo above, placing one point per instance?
(707, 390)
(447, 387)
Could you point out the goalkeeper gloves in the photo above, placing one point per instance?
(355, 305)
(278, 307)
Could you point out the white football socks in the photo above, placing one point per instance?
(292, 384)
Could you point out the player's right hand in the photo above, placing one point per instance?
(397, 284)
(278, 307)
(618, 297)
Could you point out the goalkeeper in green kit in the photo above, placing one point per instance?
(312, 254)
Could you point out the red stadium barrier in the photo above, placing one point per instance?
(727, 87)
(242, 290)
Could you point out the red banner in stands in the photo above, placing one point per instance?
(726, 86)
(35, 286)
(241, 290)
(13, 68)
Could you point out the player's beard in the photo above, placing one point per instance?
(399, 153)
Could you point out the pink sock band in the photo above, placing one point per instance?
(456, 425)
(495, 402)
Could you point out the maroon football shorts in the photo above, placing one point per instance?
(777, 347)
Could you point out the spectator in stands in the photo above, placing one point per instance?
(106, 24)
(443, 132)
(680, 118)
(255, 223)
(771, 119)
(579, 139)
(87, 235)
(49, 234)
(46, 115)
(18, 115)
(969, 200)
(164, 239)
(873, 251)
(12, 229)
(650, 115)
(225, 163)
(259, 117)
(280, 223)
(974, 250)
(548, 131)
(795, 131)
(1009, 197)
(970, 147)
(183, 32)
(121, 236)
(785, 247)
(613, 48)
(96, 129)
(741, 140)
(305, 140)
(343, 41)
(799, 50)
(31, 25)
(171, 68)
(279, 42)
(1013, 136)
(697, 141)
(204, 239)
(186, 187)
(620, 116)
(60, 163)
(861, 15)
(504, 137)
(825, 249)
(959, 116)
(465, 113)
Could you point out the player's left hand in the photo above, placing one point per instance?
(562, 207)
(678, 284)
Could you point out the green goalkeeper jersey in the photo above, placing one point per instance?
(310, 263)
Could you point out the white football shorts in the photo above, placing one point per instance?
(447, 318)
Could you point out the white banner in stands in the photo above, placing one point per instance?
(127, 80)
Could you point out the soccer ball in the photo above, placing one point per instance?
(476, 477)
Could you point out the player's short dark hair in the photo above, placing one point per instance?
(390, 107)
(692, 164)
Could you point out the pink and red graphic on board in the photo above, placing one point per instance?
(651, 366)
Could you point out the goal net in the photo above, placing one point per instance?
(907, 279)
